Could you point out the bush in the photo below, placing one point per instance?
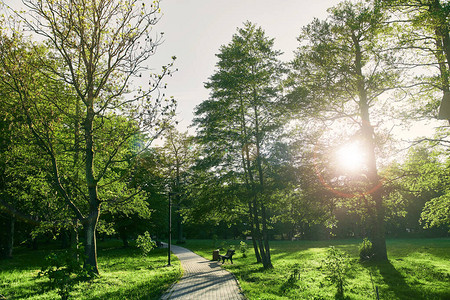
(145, 243)
(366, 250)
(243, 247)
(336, 265)
(65, 270)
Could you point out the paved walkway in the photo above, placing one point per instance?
(202, 279)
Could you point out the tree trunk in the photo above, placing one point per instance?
(65, 239)
(124, 237)
(74, 240)
(252, 233)
(2, 238)
(259, 238)
(375, 183)
(34, 244)
(267, 262)
(10, 241)
(90, 249)
(179, 227)
(379, 238)
(91, 182)
(265, 238)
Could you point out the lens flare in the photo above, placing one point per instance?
(351, 157)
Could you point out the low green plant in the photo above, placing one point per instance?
(65, 270)
(145, 243)
(365, 250)
(243, 247)
(292, 280)
(336, 265)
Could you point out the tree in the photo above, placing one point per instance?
(420, 188)
(178, 155)
(89, 122)
(239, 121)
(425, 30)
(427, 33)
(344, 65)
(25, 194)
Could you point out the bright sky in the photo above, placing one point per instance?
(195, 29)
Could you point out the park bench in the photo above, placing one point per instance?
(229, 256)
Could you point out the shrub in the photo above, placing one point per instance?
(336, 265)
(366, 250)
(243, 247)
(65, 270)
(145, 243)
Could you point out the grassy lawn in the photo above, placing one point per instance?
(124, 274)
(417, 269)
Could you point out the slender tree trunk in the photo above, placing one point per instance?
(267, 262)
(248, 181)
(34, 244)
(10, 242)
(65, 243)
(252, 233)
(179, 227)
(124, 237)
(265, 236)
(74, 240)
(2, 237)
(253, 205)
(258, 234)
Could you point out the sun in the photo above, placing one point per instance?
(350, 157)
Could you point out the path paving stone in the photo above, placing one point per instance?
(202, 279)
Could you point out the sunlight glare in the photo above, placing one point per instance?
(351, 157)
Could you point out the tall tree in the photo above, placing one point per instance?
(425, 29)
(93, 50)
(426, 33)
(238, 123)
(178, 155)
(344, 65)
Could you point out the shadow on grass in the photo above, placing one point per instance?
(24, 259)
(251, 273)
(25, 291)
(395, 281)
(149, 290)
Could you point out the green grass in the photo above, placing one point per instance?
(417, 269)
(124, 274)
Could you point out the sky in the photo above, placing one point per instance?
(194, 30)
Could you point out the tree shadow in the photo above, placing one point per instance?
(395, 281)
(148, 291)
